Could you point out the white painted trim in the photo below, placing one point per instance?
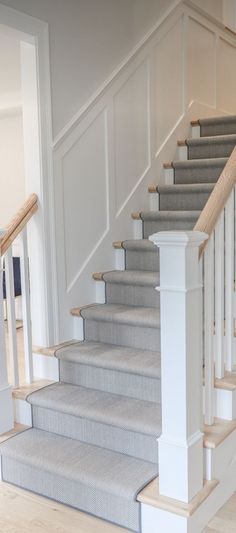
(45, 367)
(22, 412)
(187, 6)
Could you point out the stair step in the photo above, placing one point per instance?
(141, 254)
(127, 425)
(117, 369)
(208, 147)
(218, 125)
(89, 478)
(132, 287)
(124, 325)
(184, 197)
(108, 356)
(154, 221)
(198, 170)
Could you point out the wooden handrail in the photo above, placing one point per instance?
(218, 198)
(18, 222)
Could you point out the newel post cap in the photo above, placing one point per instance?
(184, 239)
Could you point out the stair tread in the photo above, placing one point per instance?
(95, 467)
(217, 120)
(139, 245)
(102, 407)
(170, 215)
(212, 139)
(110, 356)
(132, 277)
(191, 188)
(123, 314)
(200, 163)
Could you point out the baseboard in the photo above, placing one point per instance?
(22, 412)
(45, 367)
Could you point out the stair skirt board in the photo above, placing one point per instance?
(93, 444)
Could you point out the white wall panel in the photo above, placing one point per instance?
(84, 172)
(200, 63)
(107, 158)
(226, 76)
(131, 127)
(168, 80)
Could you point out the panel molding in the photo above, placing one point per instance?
(122, 198)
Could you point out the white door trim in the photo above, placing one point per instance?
(35, 31)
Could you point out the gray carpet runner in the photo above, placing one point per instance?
(93, 444)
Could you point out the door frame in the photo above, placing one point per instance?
(34, 31)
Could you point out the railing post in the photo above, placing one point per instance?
(181, 442)
(6, 402)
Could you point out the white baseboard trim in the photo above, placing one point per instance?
(45, 367)
(6, 413)
(22, 412)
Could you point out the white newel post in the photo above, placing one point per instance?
(181, 442)
(6, 403)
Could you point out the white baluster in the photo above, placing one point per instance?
(180, 445)
(209, 329)
(26, 307)
(229, 282)
(11, 316)
(6, 403)
(219, 298)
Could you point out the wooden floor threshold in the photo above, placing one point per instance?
(150, 495)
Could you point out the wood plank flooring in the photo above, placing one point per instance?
(24, 512)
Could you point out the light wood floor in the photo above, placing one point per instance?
(24, 512)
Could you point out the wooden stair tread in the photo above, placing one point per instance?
(51, 350)
(76, 311)
(214, 435)
(21, 393)
(18, 428)
(150, 495)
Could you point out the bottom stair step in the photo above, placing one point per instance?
(89, 478)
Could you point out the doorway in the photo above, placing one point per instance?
(32, 38)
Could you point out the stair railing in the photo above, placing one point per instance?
(197, 280)
(15, 230)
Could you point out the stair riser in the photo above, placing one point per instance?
(124, 335)
(183, 202)
(140, 260)
(88, 499)
(210, 151)
(153, 226)
(132, 295)
(130, 385)
(218, 129)
(98, 434)
(200, 175)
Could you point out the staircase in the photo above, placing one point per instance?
(93, 444)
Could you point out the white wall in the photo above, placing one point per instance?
(12, 180)
(88, 39)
